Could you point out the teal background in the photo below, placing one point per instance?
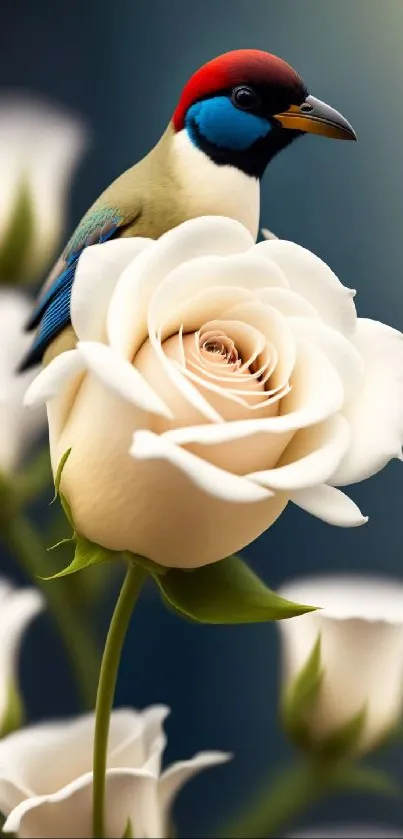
(121, 66)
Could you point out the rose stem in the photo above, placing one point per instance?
(132, 584)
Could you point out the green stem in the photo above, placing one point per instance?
(25, 545)
(292, 792)
(129, 593)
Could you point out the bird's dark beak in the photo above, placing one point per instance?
(315, 117)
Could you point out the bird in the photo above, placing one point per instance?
(234, 114)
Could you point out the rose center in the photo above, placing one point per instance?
(219, 345)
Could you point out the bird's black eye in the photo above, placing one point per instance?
(306, 108)
(245, 97)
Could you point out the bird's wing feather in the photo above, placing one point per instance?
(52, 312)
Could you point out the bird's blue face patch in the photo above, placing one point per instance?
(227, 127)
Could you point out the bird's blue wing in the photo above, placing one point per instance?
(52, 313)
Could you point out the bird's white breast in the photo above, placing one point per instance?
(211, 189)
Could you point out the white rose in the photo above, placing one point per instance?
(39, 150)
(46, 777)
(19, 428)
(18, 607)
(360, 624)
(246, 378)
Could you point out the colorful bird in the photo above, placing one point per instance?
(234, 115)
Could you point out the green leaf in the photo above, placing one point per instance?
(87, 553)
(128, 834)
(301, 695)
(151, 567)
(14, 712)
(366, 779)
(59, 472)
(344, 741)
(226, 592)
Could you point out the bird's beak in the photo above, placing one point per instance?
(315, 117)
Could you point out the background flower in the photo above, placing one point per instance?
(39, 150)
(18, 607)
(46, 777)
(360, 625)
(19, 428)
(247, 379)
(348, 831)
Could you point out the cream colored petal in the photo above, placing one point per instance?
(339, 350)
(375, 412)
(147, 506)
(181, 384)
(313, 279)
(361, 629)
(52, 378)
(129, 794)
(309, 459)
(18, 609)
(256, 444)
(121, 377)
(97, 273)
(276, 329)
(57, 142)
(184, 410)
(287, 302)
(66, 746)
(143, 743)
(208, 478)
(19, 429)
(39, 147)
(127, 318)
(245, 271)
(174, 778)
(329, 504)
(204, 306)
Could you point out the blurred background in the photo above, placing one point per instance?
(120, 68)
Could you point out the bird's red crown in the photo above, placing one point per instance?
(230, 69)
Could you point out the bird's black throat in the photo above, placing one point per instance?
(253, 160)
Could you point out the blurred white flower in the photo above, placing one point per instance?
(46, 777)
(353, 830)
(18, 607)
(18, 427)
(360, 625)
(39, 149)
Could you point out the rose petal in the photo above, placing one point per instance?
(129, 794)
(51, 379)
(329, 504)
(97, 273)
(119, 375)
(318, 396)
(127, 317)
(244, 271)
(173, 779)
(18, 609)
(276, 329)
(144, 743)
(314, 281)
(212, 480)
(288, 302)
(339, 350)
(376, 414)
(309, 459)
